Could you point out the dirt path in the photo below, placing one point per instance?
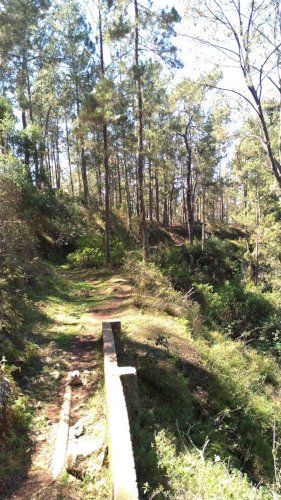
(77, 345)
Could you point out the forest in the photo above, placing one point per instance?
(140, 178)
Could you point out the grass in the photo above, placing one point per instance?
(15, 448)
(53, 322)
(207, 403)
(207, 408)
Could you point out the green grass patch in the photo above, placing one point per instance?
(207, 409)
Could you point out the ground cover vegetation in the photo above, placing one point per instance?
(114, 154)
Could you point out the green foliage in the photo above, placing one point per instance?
(30, 220)
(153, 290)
(190, 475)
(119, 28)
(242, 393)
(215, 400)
(91, 252)
(239, 309)
(15, 446)
(214, 278)
(220, 260)
(20, 413)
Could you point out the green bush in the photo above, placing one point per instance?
(219, 261)
(91, 252)
(239, 309)
(243, 392)
(154, 290)
(190, 475)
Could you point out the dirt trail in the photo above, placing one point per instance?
(39, 483)
(84, 354)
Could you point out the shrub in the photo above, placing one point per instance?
(91, 252)
(191, 476)
(219, 261)
(239, 309)
(154, 290)
(244, 391)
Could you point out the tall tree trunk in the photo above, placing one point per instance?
(184, 209)
(189, 191)
(140, 162)
(69, 156)
(203, 219)
(58, 157)
(99, 186)
(49, 167)
(165, 212)
(84, 174)
(157, 207)
(266, 139)
(83, 163)
(119, 179)
(35, 150)
(171, 210)
(258, 217)
(53, 158)
(105, 155)
(26, 145)
(150, 190)
(128, 195)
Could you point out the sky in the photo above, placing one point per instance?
(197, 58)
(201, 59)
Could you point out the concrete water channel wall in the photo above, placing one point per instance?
(119, 381)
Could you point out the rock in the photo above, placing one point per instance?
(74, 378)
(77, 429)
(95, 464)
(55, 374)
(40, 439)
(78, 461)
(88, 377)
(48, 360)
(87, 445)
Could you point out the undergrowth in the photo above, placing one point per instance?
(217, 278)
(208, 404)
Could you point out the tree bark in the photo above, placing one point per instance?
(128, 196)
(150, 190)
(189, 191)
(69, 156)
(203, 219)
(140, 160)
(157, 208)
(105, 155)
(83, 163)
(26, 145)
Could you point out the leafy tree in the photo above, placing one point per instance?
(254, 30)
